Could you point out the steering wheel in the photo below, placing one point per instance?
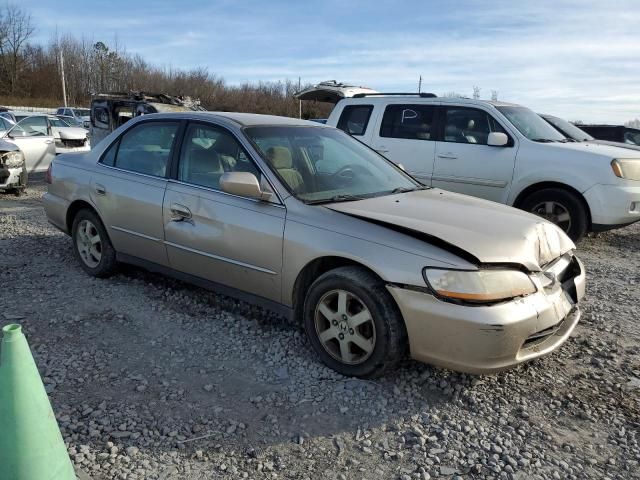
(348, 171)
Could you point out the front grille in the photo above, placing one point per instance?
(74, 143)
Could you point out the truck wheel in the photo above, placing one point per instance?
(353, 323)
(91, 245)
(561, 207)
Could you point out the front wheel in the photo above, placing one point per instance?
(353, 323)
(91, 245)
(561, 207)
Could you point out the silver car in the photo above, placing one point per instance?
(305, 220)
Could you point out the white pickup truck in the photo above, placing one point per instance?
(493, 150)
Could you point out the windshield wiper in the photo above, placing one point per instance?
(542, 140)
(409, 189)
(336, 199)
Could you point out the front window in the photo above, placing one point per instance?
(469, 125)
(31, 127)
(569, 129)
(81, 112)
(58, 122)
(531, 125)
(323, 164)
(208, 153)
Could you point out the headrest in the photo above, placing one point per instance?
(471, 123)
(280, 157)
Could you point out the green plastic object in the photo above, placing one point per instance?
(31, 445)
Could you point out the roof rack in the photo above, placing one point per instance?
(421, 94)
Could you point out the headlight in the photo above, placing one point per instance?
(479, 286)
(13, 159)
(627, 168)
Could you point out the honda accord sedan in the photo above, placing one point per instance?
(305, 220)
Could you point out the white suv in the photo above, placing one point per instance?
(499, 151)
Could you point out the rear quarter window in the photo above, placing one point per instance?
(354, 119)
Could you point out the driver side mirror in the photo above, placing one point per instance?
(497, 139)
(243, 184)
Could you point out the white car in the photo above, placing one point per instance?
(81, 115)
(41, 137)
(501, 152)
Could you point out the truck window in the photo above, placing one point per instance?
(469, 125)
(414, 122)
(355, 118)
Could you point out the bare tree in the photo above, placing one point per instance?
(15, 29)
(476, 92)
(494, 95)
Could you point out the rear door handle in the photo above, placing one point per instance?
(179, 212)
(450, 156)
(100, 190)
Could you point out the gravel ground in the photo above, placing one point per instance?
(151, 378)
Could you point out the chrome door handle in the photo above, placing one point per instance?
(381, 150)
(48, 142)
(179, 212)
(100, 190)
(450, 156)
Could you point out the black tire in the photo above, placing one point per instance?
(107, 264)
(579, 219)
(390, 344)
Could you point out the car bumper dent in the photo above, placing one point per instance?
(614, 204)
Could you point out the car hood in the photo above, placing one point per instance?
(605, 150)
(625, 146)
(71, 133)
(489, 231)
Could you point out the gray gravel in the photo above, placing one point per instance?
(151, 378)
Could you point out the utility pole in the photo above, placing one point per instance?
(420, 84)
(299, 101)
(64, 86)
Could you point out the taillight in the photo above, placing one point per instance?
(47, 177)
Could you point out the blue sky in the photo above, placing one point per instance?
(576, 59)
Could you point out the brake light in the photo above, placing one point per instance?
(47, 177)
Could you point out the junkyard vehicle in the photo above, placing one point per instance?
(13, 170)
(500, 152)
(305, 220)
(71, 121)
(42, 136)
(614, 133)
(81, 115)
(575, 133)
(111, 110)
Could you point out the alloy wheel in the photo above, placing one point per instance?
(345, 327)
(89, 243)
(555, 213)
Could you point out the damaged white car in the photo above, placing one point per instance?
(13, 170)
(67, 138)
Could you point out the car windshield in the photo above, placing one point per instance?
(81, 112)
(568, 129)
(632, 137)
(531, 125)
(58, 122)
(321, 165)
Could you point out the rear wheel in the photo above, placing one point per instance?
(561, 207)
(353, 323)
(91, 245)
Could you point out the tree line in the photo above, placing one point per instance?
(30, 75)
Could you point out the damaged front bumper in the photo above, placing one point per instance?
(12, 178)
(487, 339)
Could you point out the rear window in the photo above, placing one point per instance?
(355, 118)
(414, 122)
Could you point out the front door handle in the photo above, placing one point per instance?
(48, 141)
(450, 156)
(179, 212)
(381, 150)
(100, 190)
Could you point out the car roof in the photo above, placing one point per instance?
(381, 98)
(244, 119)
